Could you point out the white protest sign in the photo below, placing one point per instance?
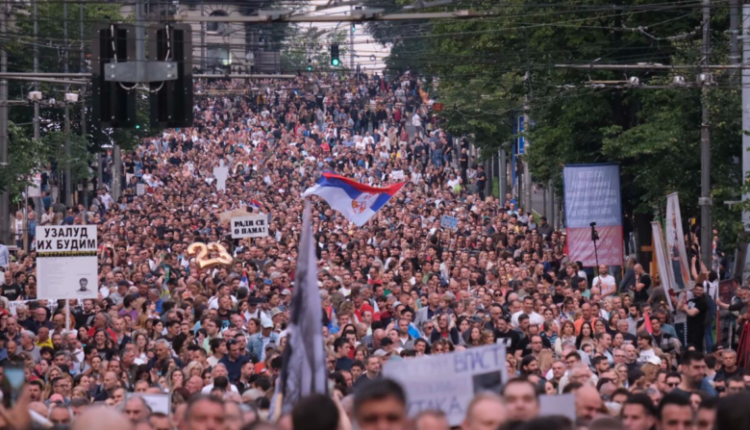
(157, 402)
(255, 225)
(398, 175)
(221, 173)
(563, 404)
(140, 189)
(66, 263)
(448, 382)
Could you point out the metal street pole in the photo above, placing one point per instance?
(66, 58)
(503, 176)
(734, 49)
(745, 109)
(36, 68)
(526, 197)
(551, 213)
(38, 204)
(4, 195)
(705, 199)
(203, 38)
(351, 39)
(83, 113)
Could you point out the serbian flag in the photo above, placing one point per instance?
(357, 202)
(244, 282)
(254, 203)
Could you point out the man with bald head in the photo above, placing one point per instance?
(588, 403)
(108, 387)
(431, 420)
(486, 411)
(136, 409)
(194, 384)
(101, 419)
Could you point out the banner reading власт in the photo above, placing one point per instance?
(66, 262)
(448, 382)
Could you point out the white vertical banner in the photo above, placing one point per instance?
(663, 262)
(678, 261)
(448, 382)
(66, 262)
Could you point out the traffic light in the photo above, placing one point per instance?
(354, 28)
(172, 101)
(335, 60)
(113, 102)
(309, 64)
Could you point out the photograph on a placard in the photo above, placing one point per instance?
(490, 381)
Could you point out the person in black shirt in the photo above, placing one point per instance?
(11, 289)
(510, 338)
(696, 309)
(481, 181)
(642, 285)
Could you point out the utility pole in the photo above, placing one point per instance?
(66, 59)
(83, 111)
(203, 38)
(4, 195)
(551, 210)
(503, 189)
(351, 39)
(526, 197)
(38, 205)
(705, 199)
(745, 110)
(734, 49)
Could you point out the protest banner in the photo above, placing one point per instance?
(157, 402)
(678, 261)
(449, 222)
(562, 404)
(252, 225)
(592, 195)
(66, 263)
(448, 382)
(665, 268)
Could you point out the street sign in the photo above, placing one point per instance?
(521, 139)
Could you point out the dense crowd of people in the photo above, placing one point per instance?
(401, 287)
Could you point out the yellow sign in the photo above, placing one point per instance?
(201, 251)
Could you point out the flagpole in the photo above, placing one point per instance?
(277, 409)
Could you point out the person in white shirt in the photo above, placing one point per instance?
(605, 282)
(528, 309)
(218, 370)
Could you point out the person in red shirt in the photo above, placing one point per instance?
(360, 305)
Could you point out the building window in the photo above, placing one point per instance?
(217, 56)
(218, 27)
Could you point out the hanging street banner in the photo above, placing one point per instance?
(66, 263)
(255, 225)
(592, 195)
(448, 382)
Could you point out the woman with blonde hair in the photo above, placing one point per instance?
(193, 368)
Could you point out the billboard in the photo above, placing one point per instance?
(592, 195)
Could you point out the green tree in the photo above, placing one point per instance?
(489, 69)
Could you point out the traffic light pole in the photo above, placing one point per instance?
(705, 199)
(66, 58)
(4, 195)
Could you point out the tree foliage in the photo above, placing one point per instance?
(489, 69)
